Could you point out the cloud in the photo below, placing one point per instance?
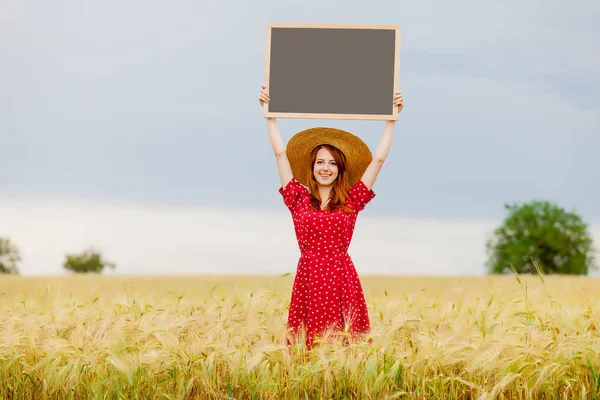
(144, 239)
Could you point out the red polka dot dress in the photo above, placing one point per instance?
(326, 293)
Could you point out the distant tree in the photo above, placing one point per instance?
(88, 261)
(9, 257)
(541, 233)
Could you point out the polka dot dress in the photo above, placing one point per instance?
(326, 293)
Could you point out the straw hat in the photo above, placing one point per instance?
(299, 147)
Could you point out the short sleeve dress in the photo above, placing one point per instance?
(327, 293)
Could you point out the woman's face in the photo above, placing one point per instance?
(325, 169)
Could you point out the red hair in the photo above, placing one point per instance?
(341, 186)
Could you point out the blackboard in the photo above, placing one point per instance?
(332, 71)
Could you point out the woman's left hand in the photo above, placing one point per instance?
(398, 101)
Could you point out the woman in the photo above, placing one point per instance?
(326, 178)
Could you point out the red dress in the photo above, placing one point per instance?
(327, 293)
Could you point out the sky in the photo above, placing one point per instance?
(135, 127)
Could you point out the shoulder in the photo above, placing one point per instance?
(294, 194)
(360, 189)
(293, 186)
(360, 195)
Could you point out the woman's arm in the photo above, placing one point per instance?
(283, 165)
(370, 174)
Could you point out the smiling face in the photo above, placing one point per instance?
(325, 168)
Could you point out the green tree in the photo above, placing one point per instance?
(541, 233)
(9, 257)
(88, 261)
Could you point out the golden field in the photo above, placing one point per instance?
(100, 337)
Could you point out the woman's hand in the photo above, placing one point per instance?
(398, 101)
(264, 96)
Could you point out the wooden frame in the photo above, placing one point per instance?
(392, 115)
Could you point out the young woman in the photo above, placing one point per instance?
(326, 178)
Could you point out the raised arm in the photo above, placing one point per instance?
(283, 165)
(370, 174)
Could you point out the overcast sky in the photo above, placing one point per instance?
(143, 104)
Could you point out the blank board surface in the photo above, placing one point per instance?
(332, 71)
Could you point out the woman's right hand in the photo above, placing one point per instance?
(264, 96)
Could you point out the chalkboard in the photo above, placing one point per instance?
(332, 71)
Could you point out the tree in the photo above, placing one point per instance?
(541, 233)
(88, 261)
(9, 257)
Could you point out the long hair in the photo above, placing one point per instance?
(339, 191)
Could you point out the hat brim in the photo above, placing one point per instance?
(357, 153)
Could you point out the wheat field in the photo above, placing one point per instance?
(219, 337)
